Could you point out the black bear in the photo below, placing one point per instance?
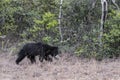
(30, 50)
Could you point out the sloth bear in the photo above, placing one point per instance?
(44, 51)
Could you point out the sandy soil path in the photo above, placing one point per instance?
(68, 67)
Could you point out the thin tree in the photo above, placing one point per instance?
(103, 18)
(59, 20)
(113, 1)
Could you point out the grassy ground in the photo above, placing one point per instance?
(68, 67)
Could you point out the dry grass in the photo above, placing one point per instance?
(68, 67)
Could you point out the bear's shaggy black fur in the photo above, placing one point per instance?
(50, 51)
(44, 51)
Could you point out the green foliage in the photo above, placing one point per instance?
(18, 16)
(89, 46)
(36, 20)
(42, 27)
(7, 17)
(48, 20)
(112, 34)
(47, 39)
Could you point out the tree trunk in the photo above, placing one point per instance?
(103, 18)
(59, 20)
(113, 1)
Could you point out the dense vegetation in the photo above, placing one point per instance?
(37, 20)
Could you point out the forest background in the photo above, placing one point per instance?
(73, 25)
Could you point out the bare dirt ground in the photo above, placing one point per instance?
(68, 67)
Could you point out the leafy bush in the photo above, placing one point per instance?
(112, 35)
(43, 28)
